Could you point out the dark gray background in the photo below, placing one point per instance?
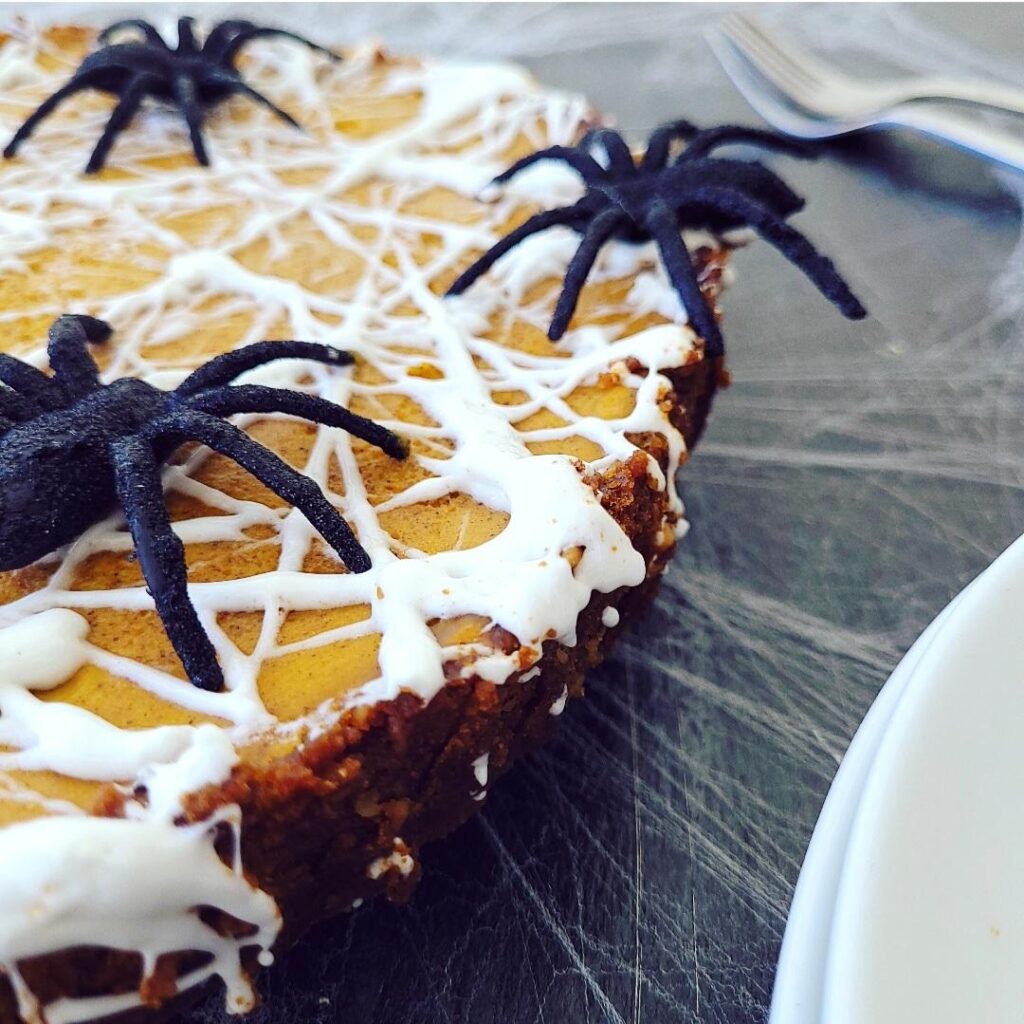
(852, 480)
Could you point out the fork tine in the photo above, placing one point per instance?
(802, 63)
(769, 56)
(765, 97)
(787, 69)
(779, 73)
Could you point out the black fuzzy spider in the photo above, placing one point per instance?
(72, 448)
(658, 195)
(192, 77)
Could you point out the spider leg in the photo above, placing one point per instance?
(126, 108)
(790, 242)
(31, 383)
(661, 140)
(152, 36)
(45, 109)
(221, 35)
(729, 134)
(250, 32)
(237, 85)
(187, 36)
(583, 163)
(225, 368)
(773, 192)
(538, 222)
(272, 471)
(661, 223)
(161, 557)
(15, 408)
(579, 267)
(620, 158)
(185, 93)
(68, 350)
(243, 398)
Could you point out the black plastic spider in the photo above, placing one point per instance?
(192, 77)
(657, 196)
(72, 448)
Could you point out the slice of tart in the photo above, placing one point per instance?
(157, 839)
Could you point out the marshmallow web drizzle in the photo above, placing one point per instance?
(70, 879)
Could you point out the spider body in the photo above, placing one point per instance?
(72, 449)
(50, 491)
(191, 77)
(656, 197)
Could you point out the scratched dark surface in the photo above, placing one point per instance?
(852, 480)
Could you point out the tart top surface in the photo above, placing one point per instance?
(489, 540)
(346, 233)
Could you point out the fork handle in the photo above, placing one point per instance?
(994, 95)
(993, 144)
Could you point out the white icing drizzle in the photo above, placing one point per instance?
(40, 652)
(55, 891)
(70, 878)
(399, 858)
(559, 706)
(18, 66)
(480, 774)
(610, 617)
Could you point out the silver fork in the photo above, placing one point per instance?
(826, 92)
(800, 96)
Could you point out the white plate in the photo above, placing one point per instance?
(929, 916)
(800, 977)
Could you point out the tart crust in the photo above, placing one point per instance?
(402, 768)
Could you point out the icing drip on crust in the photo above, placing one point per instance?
(68, 878)
(56, 892)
